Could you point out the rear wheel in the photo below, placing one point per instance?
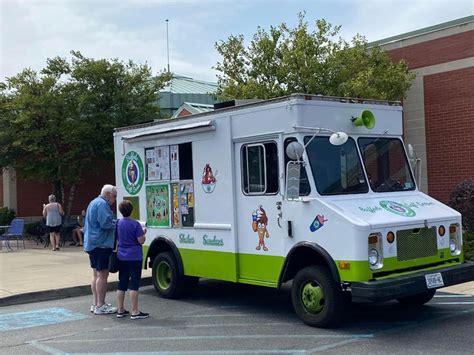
(166, 278)
(418, 299)
(317, 299)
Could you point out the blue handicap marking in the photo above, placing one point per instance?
(47, 316)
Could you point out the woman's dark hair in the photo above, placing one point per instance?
(126, 208)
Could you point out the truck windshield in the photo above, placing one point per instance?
(336, 169)
(386, 164)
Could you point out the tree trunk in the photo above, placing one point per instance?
(72, 193)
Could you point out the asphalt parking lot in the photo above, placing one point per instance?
(229, 319)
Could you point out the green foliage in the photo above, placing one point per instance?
(35, 229)
(6, 216)
(299, 60)
(58, 124)
(462, 200)
(468, 240)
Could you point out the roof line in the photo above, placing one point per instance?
(422, 31)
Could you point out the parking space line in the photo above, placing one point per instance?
(45, 348)
(220, 337)
(454, 303)
(452, 296)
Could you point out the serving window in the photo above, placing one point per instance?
(170, 186)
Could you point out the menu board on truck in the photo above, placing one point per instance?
(158, 163)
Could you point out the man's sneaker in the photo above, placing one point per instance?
(105, 309)
(123, 314)
(140, 315)
(92, 308)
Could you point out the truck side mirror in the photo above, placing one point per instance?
(294, 150)
(411, 151)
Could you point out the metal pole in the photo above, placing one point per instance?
(167, 45)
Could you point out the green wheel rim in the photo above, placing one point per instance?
(312, 297)
(164, 275)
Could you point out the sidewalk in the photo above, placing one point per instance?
(37, 273)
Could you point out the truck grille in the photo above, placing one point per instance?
(416, 243)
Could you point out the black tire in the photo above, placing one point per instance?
(317, 299)
(418, 299)
(166, 278)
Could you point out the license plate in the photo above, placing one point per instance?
(434, 280)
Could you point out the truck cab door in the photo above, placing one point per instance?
(260, 240)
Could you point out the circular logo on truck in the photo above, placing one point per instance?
(132, 173)
(397, 208)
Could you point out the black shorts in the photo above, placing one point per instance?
(55, 229)
(99, 258)
(130, 273)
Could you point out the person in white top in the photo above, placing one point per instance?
(53, 213)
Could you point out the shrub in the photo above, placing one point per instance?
(6, 216)
(35, 229)
(462, 200)
(468, 240)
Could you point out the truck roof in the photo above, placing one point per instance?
(263, 103)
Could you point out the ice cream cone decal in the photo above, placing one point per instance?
(259, 225)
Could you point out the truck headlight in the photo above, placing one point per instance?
(375, 251)
(373, 257)
(455, 239)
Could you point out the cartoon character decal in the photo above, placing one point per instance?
(209, 180)
(259, 225)
(132, 173)
(317, 223)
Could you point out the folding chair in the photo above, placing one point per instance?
(14, 231)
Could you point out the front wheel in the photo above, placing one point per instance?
(166, 278)
(317, 299)
(418, 299)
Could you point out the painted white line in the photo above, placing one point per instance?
(45, 348)
(332, 345)
(452, 296)
(214, 325)
(220, 337)
(220, 315)
(453, 303)
(260, 351)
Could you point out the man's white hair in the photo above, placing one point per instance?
(108, 188)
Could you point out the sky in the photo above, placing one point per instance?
(34, 30)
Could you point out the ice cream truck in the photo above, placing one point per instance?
(310, 189)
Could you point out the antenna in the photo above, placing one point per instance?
(167, 45)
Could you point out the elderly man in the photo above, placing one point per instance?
(99, 234)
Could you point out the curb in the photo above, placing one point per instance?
(49, 295)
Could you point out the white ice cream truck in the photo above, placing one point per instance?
(313, 189)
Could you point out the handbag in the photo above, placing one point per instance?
(113, 262)
(113, 259)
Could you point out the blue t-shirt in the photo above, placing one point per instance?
(128, 231)
(99, 227)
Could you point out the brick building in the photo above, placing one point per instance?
(439, 108)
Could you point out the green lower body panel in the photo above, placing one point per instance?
(261, 270)
(253, 269)
(392, 267)
(209, 264)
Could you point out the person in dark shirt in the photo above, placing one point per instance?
(130, 237)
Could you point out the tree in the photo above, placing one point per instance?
(297, 60)
(57, 124)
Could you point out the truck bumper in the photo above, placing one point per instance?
(388, 289)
